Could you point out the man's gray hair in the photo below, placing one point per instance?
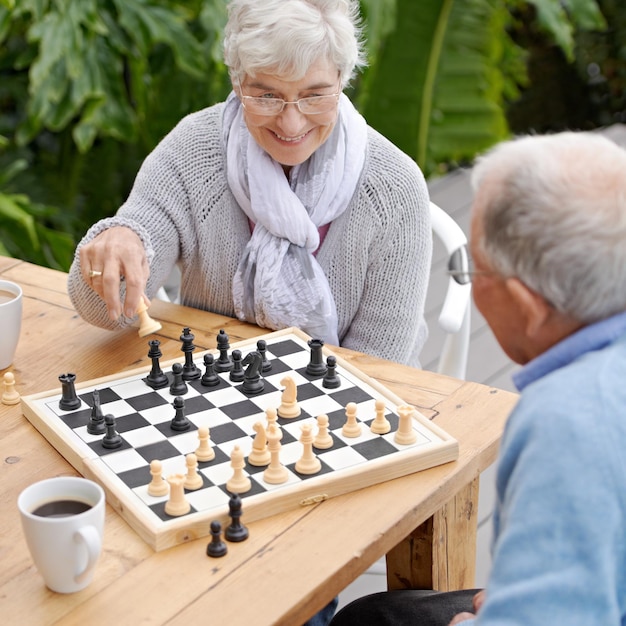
(285, 37)
(554, 211)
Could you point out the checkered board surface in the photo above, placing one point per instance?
(143, 417)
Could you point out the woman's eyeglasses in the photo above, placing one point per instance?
(311, 105)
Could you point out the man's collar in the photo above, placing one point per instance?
(589, 338)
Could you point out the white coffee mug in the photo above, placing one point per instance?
(10, 321)
(63, 521)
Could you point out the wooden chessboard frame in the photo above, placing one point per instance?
(165, 534)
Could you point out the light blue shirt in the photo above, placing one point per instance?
(559, 552)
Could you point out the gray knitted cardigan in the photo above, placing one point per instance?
(376, 255)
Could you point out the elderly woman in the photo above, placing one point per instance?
(280, 206)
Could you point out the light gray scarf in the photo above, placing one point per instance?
(279, 283)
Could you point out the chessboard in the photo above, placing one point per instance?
(145, 427)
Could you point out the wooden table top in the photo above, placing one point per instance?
(292, 564)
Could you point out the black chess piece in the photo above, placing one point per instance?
(236, 531)
(96, 425)
(69, 400)
(237, 373)
(156, 378)
(112, 438)
(209, 378)
(261, 346)
(316, 366)
(224, 362)
(252, 381)
(178, 386)
(179, 422)
(190, 369)
(331, 380)
(216, 547)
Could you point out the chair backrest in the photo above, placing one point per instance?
(454, 318)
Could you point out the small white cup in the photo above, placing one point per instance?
(10, 321)
(63, 521)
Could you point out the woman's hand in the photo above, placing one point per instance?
(114, 255)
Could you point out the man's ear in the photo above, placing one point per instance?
(534, 309)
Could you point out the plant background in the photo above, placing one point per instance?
(89, 87)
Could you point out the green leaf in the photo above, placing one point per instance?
(12, 212)
(434, 91)
(586, 14)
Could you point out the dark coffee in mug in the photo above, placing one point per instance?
(62, 508)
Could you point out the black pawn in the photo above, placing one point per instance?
(112, 438)
(331, 380)
(237, 374)
(223, 363)
(69, 400)
(261, 345)
(180, 421)
(178, 386)
(316, 366)
(216, 547)
(209, 378)
(190, 370)
(95, 425)
(156, 378)
(236, 531)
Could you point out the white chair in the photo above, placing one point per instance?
(454, 318)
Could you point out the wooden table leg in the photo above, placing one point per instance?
(440, 553)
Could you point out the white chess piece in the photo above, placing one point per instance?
(9, 395)
(239, 482)
(323, 439)
(259, 455)
(157, 487)
(204, 452)
(308, 463)
(193, 480)
(381, 424)
(405, 435)
(177, 504)
(289, 402)
(276, 473)
(351, 428)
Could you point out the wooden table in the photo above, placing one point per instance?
(293, 563)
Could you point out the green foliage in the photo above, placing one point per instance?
(88, 87)
(443, 74)
(88, 61)
(23, 228)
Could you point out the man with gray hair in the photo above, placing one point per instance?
(548, 239)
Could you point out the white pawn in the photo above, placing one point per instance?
(259, 455)
(272, 421)
(289, 401)
(381, 424)
(276, 472)
(323, 439)
(146, 324)
(204, 451)
(239, 482)
(157, 487)
(193, 480)
(10, 395)
(405, 435)
(351, 428)
(308, 463)
(177, 504)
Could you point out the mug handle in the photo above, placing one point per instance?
(91, 538)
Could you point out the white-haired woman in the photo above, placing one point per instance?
(280, 206)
